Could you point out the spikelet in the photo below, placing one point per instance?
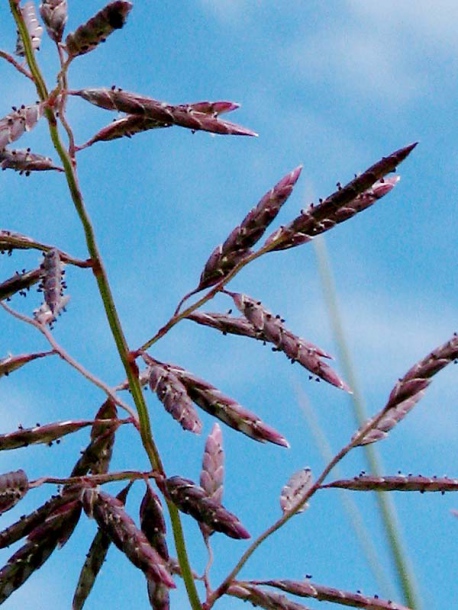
(19, 283)
(408, 391)
(295, 489)
(33, 28)
(357, 195)
(262, 599)
(9, 241)
(297, 349)
(191, 499)
(97, 455)
(52, 285)
(98, 28)
(15, 124)
(173, 395)
(45, 434)
(95, 558)
(113, 520)
(183, 114)
(13, 487)
(226, 324)
(212, 473)
(41, 543)
(27, 523)
(124, 127)
(239, 243)
(305, 588)
(25, 162)
(43, 315)
(12, 363)
(158, 595)
(54, 15)
(152, 524)
(226, 409)
(400, 482)
(211, 400)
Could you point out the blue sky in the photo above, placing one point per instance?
(333, 86)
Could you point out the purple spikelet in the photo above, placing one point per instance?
(183, 115)
(33, 26)
(193, 500)
(116, 523)
(13, 487)
(408, 391)
(237, 246)
(357, 195)
(15, 124)
(212, 473)
(89, 35)
(152, 523)
(173, 395)
(297, 349)
(54, 15)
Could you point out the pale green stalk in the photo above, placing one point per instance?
(397, 549)
(362, 533)
(127, 358)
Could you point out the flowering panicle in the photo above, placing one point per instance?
(86, 38)
(54, 15)
(95, 558)
(12, 363)
(304, 588)
(408, 391)
(42, 541)
(15, 124)
(400, 482)
(173, 395)
(113, 520)
(33, 26)
(296, 348)
(295, 489)
(239, 243)
(212, 473)
(13, 487)
(191, 499)
(344, 203)
(25, 162)
(183, 114)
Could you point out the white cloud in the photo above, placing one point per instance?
(373, 51)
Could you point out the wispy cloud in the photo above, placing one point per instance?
(374, 51)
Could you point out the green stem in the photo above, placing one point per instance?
(405, 576)
(107, 299)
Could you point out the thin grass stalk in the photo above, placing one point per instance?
(355, 518)
(387, 510)
(108, 302)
